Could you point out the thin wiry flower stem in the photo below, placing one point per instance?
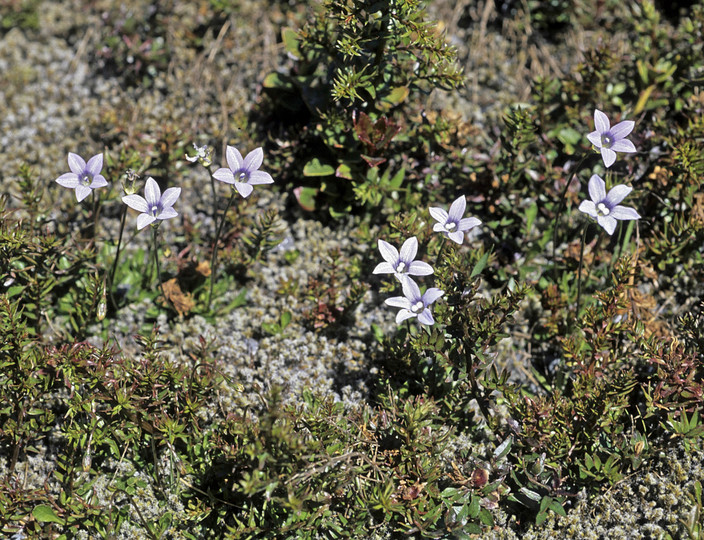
(561, 206)
(117, 254)
(213, 260)
(579, 270)
(155, 233)
(442, 247)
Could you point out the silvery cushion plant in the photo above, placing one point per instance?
(605, 207)
(243, 173)
(452, 224)
(610, 140)
(413, 303)
(154, 205)
(84, 177)
(403, 263)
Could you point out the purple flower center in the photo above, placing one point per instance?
(602, 209)
(450, 226)
(418, 307)
(401, 267)
(154, 209)
(242, 176)
(607, 140)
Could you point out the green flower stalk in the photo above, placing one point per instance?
(242, 175)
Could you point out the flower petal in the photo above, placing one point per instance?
(624, 213)
(234, 158)
(409, 249)
(136, 202)
(438, 214)
(82, 192)
(224, 175)
(625, 146)
(608, 155)
(95, 164)
(152, 192)
(69, 180)
(143, 220)
(607, 222)
(167, 213)
(388, 252)
(244, 189)
(601, 122)
(76, 163)
(595, 138)
(384, 268)
(468, 223)
(456, 236)
(420, 268)
(398, 301)
(260, 177)
(169, 197)
(622, 129)
(431, 295)
(597, 188)
(457, 208)
(410, 290)
(403, 315)
(98, 181)
(617, 194)
(253, 160)
(589, 208)
(425, 317)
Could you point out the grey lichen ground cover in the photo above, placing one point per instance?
(62, 91)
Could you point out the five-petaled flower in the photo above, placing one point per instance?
(401, 264)
(605, 207)
(84, 177)
(414, 304)
(610, 140)
(243, 173)
(153, 205)
(451, 223)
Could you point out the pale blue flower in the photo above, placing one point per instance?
(243, 173)
(401, 264)
(414, 304)
(154, 206)
(605, 207)
(84, 177)
(451, 223)
(610, 140)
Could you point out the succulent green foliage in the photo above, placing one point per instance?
(360, 66)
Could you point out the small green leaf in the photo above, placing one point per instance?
(285, 319)
(306, 197)
(503, 449)
(481, 263)
(44, 513)
(290, 38)
(315, 168)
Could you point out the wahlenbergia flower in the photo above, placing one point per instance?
(153, 205)
(204, 155)
(401, 264)
(84, 177)
(243, 173)
(605, 207)
(451, 223)
(610, 140)
(413, 304)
